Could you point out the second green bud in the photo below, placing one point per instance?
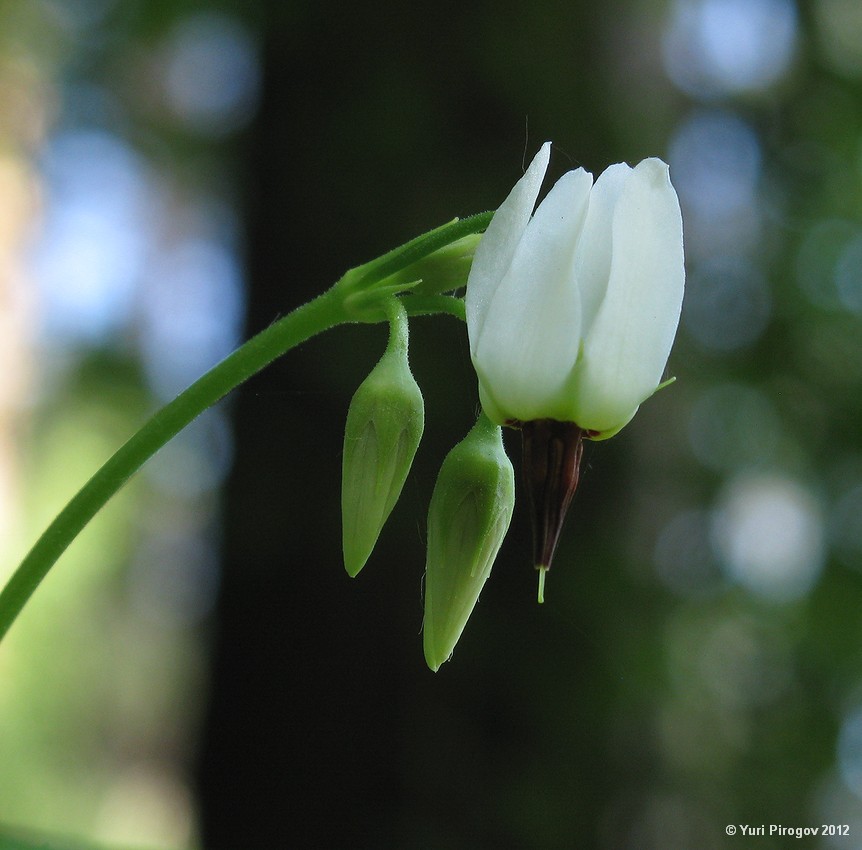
(469, 515)
(384, 426)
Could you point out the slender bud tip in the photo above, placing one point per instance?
(542, 570)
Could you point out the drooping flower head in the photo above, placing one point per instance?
(571, 313)
(572, 310)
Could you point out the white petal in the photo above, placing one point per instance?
(495, 252)
(530, 339)
(626, 349)
(593, 257)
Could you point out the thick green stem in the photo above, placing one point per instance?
(318, 315)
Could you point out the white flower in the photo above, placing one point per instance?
(572, 311)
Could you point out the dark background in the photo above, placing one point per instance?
(698, 659)
(553, 726)
(325, 726)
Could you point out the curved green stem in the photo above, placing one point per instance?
(362, 294)
(324, 312)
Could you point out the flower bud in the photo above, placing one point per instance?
(470, 511)
(384, 426)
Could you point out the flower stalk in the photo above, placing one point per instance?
(362, 294)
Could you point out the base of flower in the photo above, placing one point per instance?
(552, 453)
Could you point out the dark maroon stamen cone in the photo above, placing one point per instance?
(552, 459)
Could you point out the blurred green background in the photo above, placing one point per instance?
(199, 671)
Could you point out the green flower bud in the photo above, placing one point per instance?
(384, 426)
(470, 511)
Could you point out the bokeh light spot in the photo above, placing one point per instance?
(212, 75)
(714, 47)
(768, 532)
(715, 160)
(94, 239)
